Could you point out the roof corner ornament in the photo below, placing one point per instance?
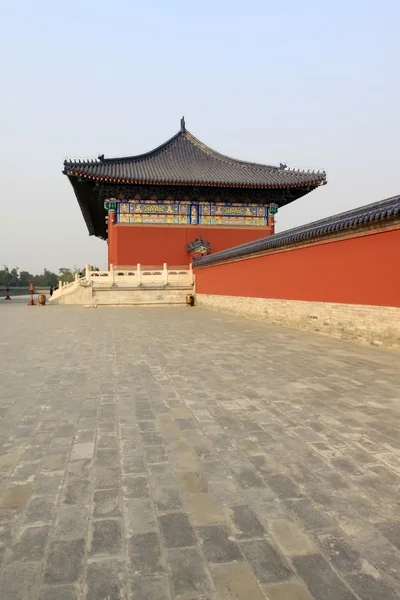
(282, 166)
(183, 126)
(199, 246)
(101, 157)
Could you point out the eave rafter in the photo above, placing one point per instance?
(309, 185)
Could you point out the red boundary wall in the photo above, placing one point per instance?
(362, 269)
(148, 245)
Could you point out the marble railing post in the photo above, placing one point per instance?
(138, 274)
(87, 273)
(112, 273)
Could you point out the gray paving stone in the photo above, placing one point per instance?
(227, 492)
(193, 482)
(284, 486)
(107, 427)
(85, 436)
(19, 580)
(106, 537)
(346, 466)
(266, 562)
(105, 478)
(217, 544)
(150, 587)
(40, 509)
(106, 504)
(15, 496)
(65, 592)
(139, 515)
(203, 509)
(247, 478)
(290, 538)
(177, 530)
(150, 425)
(292, 590)
(369, 588)
(25, 472)
(48, 483)
(152, 439)
(107, 441)
(135, 487)
(187, 424)
(146, 554)
(302, 445)
(77, 491)
(188, 572)
(65, 562)
(235, 580)
(340, 553)
(106, 457)
(72, 523)
(55, 462)
(105, 580)
(244, 522)
(145, 414)
(31, 544)
(79, 468)
(167, 498)
(312, 518)
(382, 555)
(392, 532)
(156, 454)
(82, 450)
(320, 578)
(386, 475)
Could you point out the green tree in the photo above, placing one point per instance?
(25, 278)
(51, 278)
(67, 275)
(9, 277)
(13, 277)
(46, 279)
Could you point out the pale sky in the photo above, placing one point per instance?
(314, 84)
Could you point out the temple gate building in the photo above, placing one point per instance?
(181, 199)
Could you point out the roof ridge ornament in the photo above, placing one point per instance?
(183, 126)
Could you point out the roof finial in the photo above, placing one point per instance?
(183, 127)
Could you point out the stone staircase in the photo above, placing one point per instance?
(139, 286)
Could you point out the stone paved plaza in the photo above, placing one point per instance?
(174, 453)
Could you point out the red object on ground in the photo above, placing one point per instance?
(8, 297)
(31, 291)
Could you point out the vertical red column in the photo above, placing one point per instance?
(272, 210)
(271, 223)
(111, 206)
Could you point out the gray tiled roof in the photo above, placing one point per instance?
(185, 160)
(370, 214)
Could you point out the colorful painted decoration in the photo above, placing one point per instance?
(192, 213)
(273, 209)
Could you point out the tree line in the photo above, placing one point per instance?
(16, 277)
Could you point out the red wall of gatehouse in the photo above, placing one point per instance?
(351, 270)
(155, 245)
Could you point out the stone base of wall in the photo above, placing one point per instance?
(139, 296)
(376, 325)
(101, 295)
